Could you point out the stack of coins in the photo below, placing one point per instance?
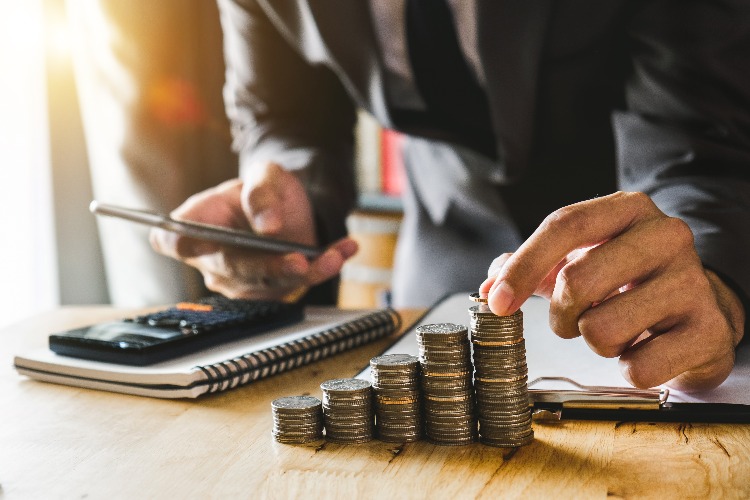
(297, 419)
(447, 392)
(500, 377)
(395, 381)
(347, 410)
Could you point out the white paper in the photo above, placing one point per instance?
(547, 355)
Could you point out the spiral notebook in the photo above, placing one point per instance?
(324, 332)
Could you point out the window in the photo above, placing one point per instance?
(27, 248)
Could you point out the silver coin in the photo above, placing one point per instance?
(483, 313)
(302, 440)
(489, 324)
(347, 401)
(497, 342)
(440, 329)
(478, 297)
(396, 388)
(394, 361)
(454, 373)
(295, 403)
(484, 310)
(345, 385)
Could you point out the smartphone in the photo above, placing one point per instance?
(208, 232)
(183, 329)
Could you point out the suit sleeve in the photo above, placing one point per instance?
(289, 111)
(684, 137)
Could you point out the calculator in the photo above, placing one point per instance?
(177, 331)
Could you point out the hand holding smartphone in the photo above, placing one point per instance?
(208, 232)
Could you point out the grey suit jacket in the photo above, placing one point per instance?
(654, 95)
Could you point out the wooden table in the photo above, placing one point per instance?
(63, 442)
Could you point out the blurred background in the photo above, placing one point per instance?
(121, 101)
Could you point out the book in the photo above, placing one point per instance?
(379, 165)
(325, 331)
(367, 153)
(393, 171)
(569, 380)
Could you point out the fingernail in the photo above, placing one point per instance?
(266, 222)
(494, 269)
(160, 239)
(350, 249)
(486, 284)
(501, 299)
(329, 262)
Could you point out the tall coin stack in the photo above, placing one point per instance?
(447, 391)
(500, 377)
(297, 419)
(395, 381)
(347, 410)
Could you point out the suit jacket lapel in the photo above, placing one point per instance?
(346, 30)
(510, 37)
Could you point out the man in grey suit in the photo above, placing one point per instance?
(514, 109)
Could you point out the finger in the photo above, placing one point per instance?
(544, 289)
(613, 326)
(177, 246)
(216, 206)
(577, 226)
(262, 199)
(263, 288)
(242, 275)
(492, 272)
(690, 356)
(329, 264)
(627, 259)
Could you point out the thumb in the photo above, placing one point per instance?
(262, 199)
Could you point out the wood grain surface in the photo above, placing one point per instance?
(64, 442)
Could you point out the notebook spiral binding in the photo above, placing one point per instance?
(257, 365)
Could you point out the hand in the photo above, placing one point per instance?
(626, 277)
(272, 203)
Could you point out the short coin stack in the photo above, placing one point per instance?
(447, 391)
(395, 380)
(297, 419)
(347, 410)
(500, 377)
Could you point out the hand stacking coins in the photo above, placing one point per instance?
(500, 376)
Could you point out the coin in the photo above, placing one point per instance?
(395, 379)
(297, 419)
(294, 403)
(500, 377)
(398, 362)
(344, 385)
(447, 388)
(348, 415)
